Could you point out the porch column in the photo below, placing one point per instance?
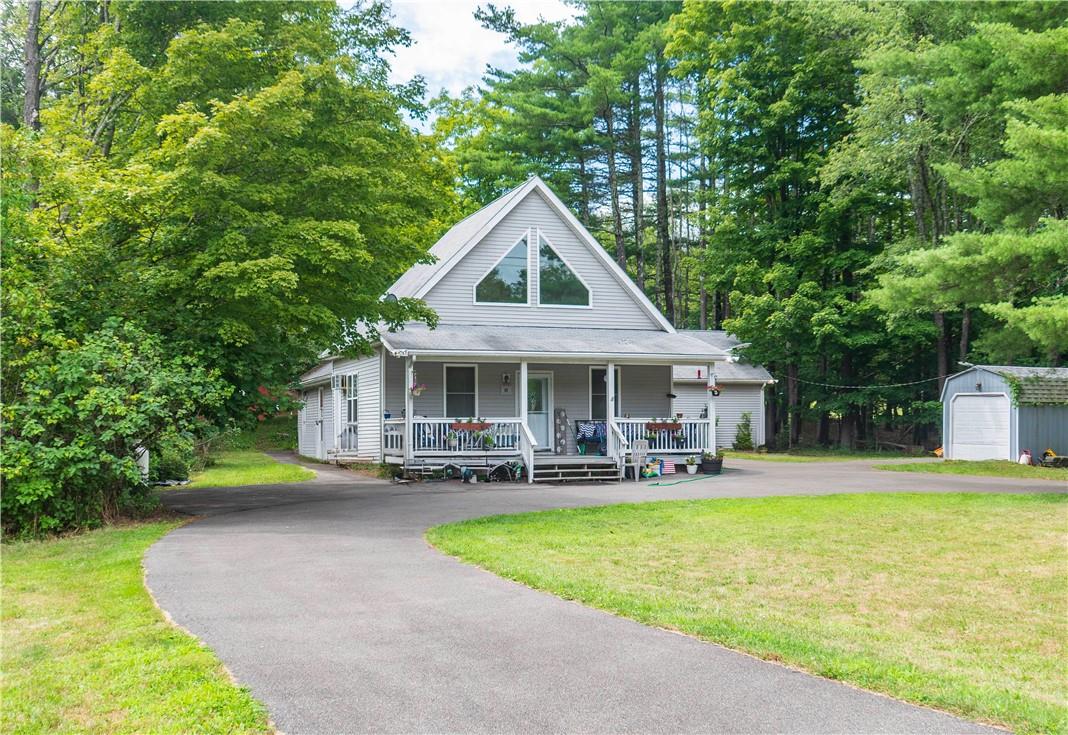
(610, 390)
(521, 389)
(710, 409)
(409, 405)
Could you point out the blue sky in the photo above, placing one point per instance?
(451, 49)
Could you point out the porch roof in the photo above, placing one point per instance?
(550, 343)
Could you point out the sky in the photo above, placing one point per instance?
(451, 49)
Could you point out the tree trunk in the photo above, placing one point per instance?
(637, 179)
(613, 188)
(793, 401)
(31, 67)
(663, 237)
(965, 329)
(584, 190)
(943, 348)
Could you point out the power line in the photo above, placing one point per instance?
(862, 387)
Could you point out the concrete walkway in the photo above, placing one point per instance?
(325, 600)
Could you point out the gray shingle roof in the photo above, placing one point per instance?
(450, 244)
(1038, 386)
(566, 341)
(727, 372)
(715, 337)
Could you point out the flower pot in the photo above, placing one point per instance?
(691, 469)
(712, 466)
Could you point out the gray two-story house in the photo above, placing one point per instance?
(546, 354)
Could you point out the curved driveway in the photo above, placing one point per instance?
(326, 601)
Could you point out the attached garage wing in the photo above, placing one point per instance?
(980, 426)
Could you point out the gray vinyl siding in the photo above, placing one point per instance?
(613, 305)
(368, 407)
(1041, 428)
(733, 400)
(989, 383)
(308, 429)
(305, 425)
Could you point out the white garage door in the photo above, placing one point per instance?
(980, 427)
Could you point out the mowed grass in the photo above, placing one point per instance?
(85, 649)
(234, 468)
(983, 468)
(812, 455)
(952, 601)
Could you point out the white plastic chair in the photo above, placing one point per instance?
(639, 450)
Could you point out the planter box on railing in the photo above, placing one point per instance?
(663, 426)
(470, 425)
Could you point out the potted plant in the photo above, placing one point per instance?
(453, 439)
(418, 388)
(488, 441)
(691, 465)
(678, 438)
(712, 464)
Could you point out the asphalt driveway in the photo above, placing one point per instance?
(325, 600)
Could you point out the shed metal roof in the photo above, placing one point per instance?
(481, 341)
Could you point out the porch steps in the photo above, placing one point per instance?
(574, 469)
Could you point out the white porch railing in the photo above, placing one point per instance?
(393, 437)
(622, 446)
(527, 444)
(445, 436)
(689, 436)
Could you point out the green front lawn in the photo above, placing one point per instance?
(234, 468)
(812, 455)
(953, 601)
(86, 650)
(984, 468)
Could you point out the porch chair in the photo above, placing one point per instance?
(639, 450)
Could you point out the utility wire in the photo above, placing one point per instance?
(861, 387)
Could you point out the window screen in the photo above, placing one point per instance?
(460, 391)
(507, 282)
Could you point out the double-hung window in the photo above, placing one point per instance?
(461, 392)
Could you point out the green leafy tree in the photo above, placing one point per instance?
(84, 411)
(237, 180)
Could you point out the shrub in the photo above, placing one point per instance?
(81, 412)
(743, 439)
(174, 458)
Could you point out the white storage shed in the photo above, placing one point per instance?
(997, 411)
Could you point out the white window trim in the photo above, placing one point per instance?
(619, 389)
(445, 387)
(574, 271)
(474, 287)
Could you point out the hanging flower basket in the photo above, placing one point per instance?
(418, 388)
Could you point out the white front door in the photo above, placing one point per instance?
(540, 408)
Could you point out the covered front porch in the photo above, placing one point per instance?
(537, 395)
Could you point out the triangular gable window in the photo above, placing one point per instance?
(558, 285)
(506, 283)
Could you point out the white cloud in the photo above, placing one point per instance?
(450, 48)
